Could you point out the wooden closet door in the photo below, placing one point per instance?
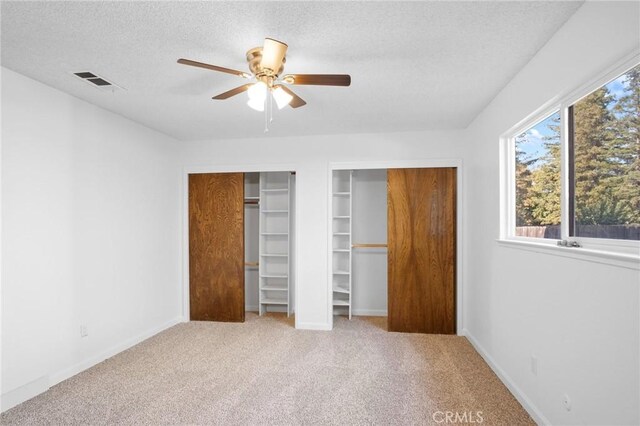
(421, 208)
(216, 247)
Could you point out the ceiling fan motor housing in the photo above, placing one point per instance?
(254, 58)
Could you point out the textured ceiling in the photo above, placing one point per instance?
(414, 66)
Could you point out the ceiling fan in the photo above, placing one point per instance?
(266, 64)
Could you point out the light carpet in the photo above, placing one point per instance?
(266, 372)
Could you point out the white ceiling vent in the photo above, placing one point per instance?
(97, 81)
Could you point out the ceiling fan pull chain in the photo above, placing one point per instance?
(270, 106)
(266, 115)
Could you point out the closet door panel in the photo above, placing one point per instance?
(216, 247)
(421, 209)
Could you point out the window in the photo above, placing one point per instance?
(574, 173)
(604, 163)
(537, 180)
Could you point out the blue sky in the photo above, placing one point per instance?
(533, 142)
(617, 88)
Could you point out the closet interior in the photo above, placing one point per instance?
(359, 226)
(269, 221)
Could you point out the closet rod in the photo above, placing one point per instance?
(250, 201)
(250, 263)
(368, 245)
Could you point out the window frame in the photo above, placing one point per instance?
(561, 104)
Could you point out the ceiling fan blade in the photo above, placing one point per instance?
(233, 92)
(318, 79)
(273, 53)
(213, 67)
(297, 101)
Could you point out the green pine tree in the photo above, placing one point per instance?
(599, 170)
(545, 191)
(627, 112)
(524, 216)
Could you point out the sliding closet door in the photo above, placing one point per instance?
(216, 246)
(421, 208)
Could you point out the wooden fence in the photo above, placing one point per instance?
(616, 232)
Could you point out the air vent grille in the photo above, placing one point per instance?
(99, 81)
(96, 81)
(85, 74)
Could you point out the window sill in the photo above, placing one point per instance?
(623, 260)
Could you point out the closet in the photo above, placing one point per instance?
(394, 246)
(241, 245)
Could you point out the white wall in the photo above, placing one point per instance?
(579, 318)
(91, 235)
(310, 158)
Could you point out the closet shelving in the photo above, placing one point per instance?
(342, 241)
(275, 225)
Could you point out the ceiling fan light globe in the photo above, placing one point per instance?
(256, 104)
(281, 97)
(258, 92)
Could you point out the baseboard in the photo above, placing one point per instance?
(59, 376)
(370, 312)
(522, 398)
(313, 326)
(24, 393)
(28, 391)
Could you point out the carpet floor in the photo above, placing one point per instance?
(266, 372)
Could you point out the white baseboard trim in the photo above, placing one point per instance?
(24, 393)
(522, 398)
(313, 326)
(28, 391)
(59, 376)
(370, 312)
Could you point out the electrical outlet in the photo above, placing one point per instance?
(84, 331)
(566, 402)
(534, 365)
